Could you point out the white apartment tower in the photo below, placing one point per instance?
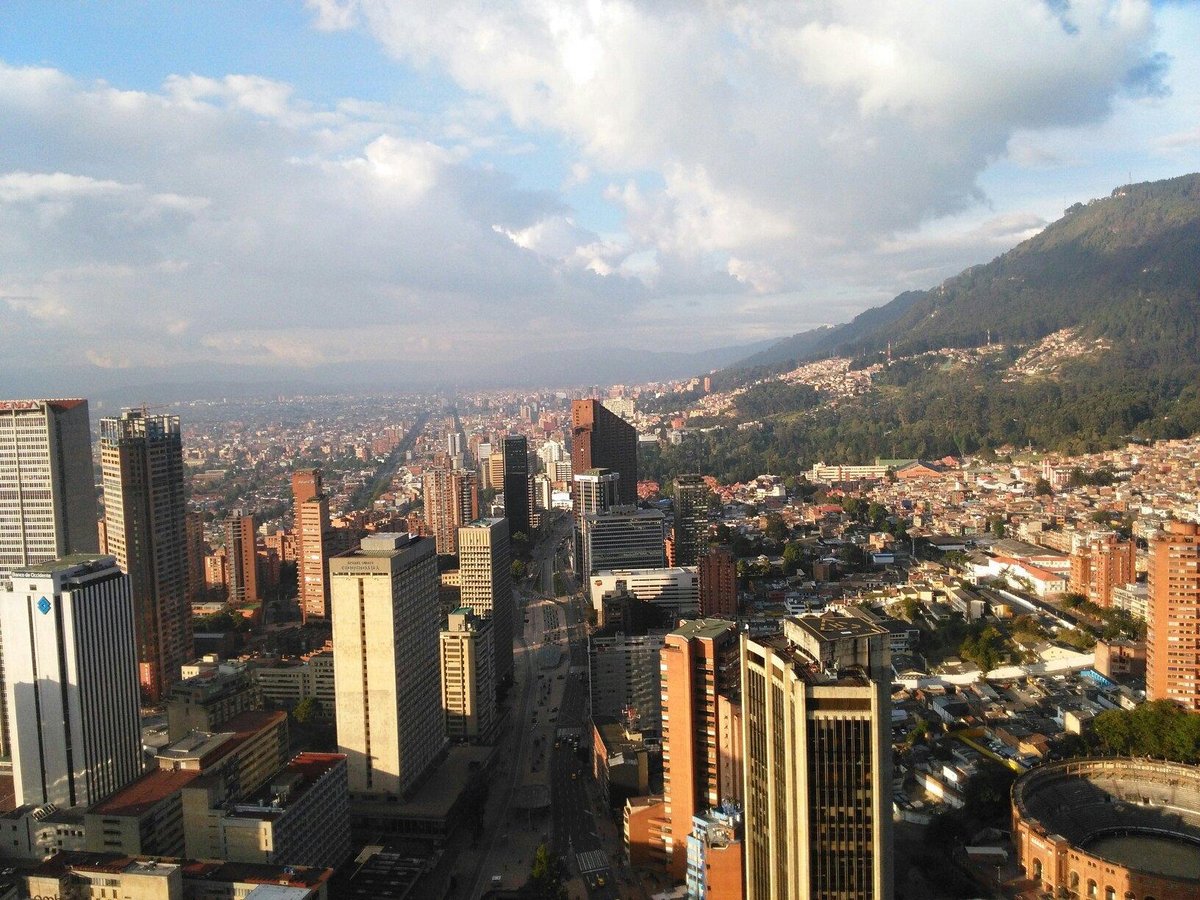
(47, 492)
(384, 603)
(485, 571)
(72, 664)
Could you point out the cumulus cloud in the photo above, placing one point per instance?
(745, 167)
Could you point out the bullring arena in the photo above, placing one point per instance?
(1110, 829)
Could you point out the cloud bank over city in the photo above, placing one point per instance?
(604, 174)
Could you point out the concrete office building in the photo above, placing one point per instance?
(451, 498)
(518, 493)
(691, 518)
(71, 658)
(676, 591)
(622, 538)
(817, 760)
(596, 491)
(624, 678)
(600, 439)
(145, 518)
(206, 702)
(241, 558)
(468, 677)
(699, 666)
(47, 492)
(485, 584)
(384, 599)
(717, 571)
(310, 506)
(1172, 635)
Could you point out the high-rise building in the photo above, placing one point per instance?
(384, 602)
(197, 549)
(517, 493)
(691, 518)
(311, 525)
(718, 583)
(1172, 638)
(601, 439)
(241, 558)
(622, 538)
(1101, 562)
(71, 659)
(468, 677)
(672, 591)
(47, 492)
(145, 516)
(596, 491)
(485, 579)
(624, 677)
(699, 666)
(451, 501)
(817, 760)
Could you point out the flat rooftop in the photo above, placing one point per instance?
(704, 628)
(145, 793)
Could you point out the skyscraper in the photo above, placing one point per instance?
(468, 677)
(699, 668)
(145, 517)
(601, 439)
(485, 576)
(1172, 640)
(622, 538)
(691, 518)
(384, 601)
(47, 492)
(451, 500)
(817, 758)
(241, 558)
(311, 524)
(71, 658)
(517, 494)
(718, 583)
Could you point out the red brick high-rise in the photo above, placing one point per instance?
(311, 526)
(718, 583)
(451, 501)
(1173, 629)
(603, 440)
(1100, 563)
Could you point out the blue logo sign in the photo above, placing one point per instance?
(44, 606)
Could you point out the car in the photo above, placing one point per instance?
(600, 881)
(574, 775)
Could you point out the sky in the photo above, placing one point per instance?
(468, 183)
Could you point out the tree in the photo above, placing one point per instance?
(545, 876)
(1041, 488)
(909, 607)
(793, 555)
(519, 569)
(306, 709)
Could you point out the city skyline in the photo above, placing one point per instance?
(467, 188)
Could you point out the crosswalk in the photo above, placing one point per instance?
(591, 861)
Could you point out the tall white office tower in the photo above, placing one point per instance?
(47, 491)
(71, 655)
(386, 623)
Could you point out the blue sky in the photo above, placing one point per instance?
(464, 178)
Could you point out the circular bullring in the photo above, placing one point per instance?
(1110, 829)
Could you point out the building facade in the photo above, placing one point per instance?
(47, 492)
(676, 591)
(601, 439)
(311, 526)
(699, 665)
(622, 538)
(384, 599)
(1101, 563)
(485, 585)
(817, 760)
(624, 678)
(1172, 634)
(451, 498)
(717, 570)
(518, 494)
(71, 659)
(241, 558)
(145, 517)
(468, 677)
(691, 518)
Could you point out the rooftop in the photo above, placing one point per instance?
(145, 793)
(87, 563)
(704, 628)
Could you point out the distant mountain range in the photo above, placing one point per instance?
(1125, 267)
